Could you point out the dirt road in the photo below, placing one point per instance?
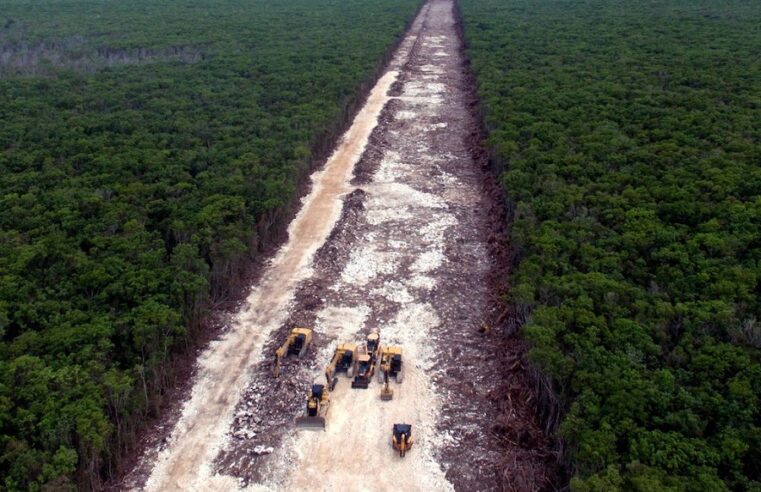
(395, 235)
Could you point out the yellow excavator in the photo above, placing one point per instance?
(390, 366)
(296, 344)
(342, 361)
(401, 438)
(391, 358)
(318, 402)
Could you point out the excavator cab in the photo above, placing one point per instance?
(396, 363)
(401, 438)
(299, 344)
(346, 361)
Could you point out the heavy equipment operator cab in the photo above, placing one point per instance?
(400, 429)
(401, 438)
(346, 360)
(313, 403)
(396, 363)
(298, 344)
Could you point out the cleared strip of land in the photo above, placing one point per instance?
(395, 235)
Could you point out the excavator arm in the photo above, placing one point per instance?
(279, 354)
(386, 393)
(330, 372)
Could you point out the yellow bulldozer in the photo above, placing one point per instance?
(401, 438)
(342, 361)
(318, 402)
(390, 366)
(296, 344)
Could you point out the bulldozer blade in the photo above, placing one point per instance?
(359, 384)
(311, 423)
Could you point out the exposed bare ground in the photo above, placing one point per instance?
(400, 239)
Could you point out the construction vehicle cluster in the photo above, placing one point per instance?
(360, 362)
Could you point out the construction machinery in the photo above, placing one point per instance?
(390, 366)
(401, 438)
(364, 369)
(342, 361)
(366, 360)
(391, 363)
(296, 344)
(372, 342)
(318, 401)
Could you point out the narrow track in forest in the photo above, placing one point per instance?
(393, 235)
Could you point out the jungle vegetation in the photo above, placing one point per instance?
(629, 138)
(147, 150)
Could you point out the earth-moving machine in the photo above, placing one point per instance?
(372, 342)
(318, 401)
(364, 370)
(401, 438)
(366, 360)
(296, 344)
(342, 361)
(390, 366)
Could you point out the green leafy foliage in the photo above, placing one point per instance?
(629, 136)
(134, 183)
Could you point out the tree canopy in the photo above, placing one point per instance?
(628, 133)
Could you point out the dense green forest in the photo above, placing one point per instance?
(146, 150)
(629, 134)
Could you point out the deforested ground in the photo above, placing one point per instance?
(401, 232)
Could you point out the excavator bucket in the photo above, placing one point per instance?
(360, 382)
(311, 423)
(387, 393)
